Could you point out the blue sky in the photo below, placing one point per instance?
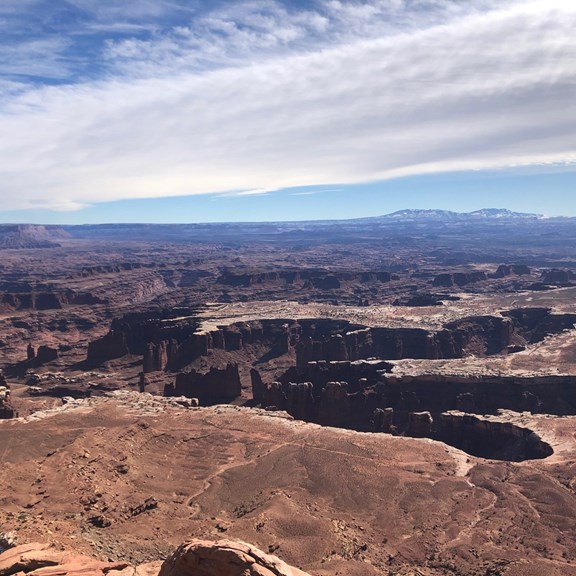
(188, 110)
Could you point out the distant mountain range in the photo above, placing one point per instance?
(484, 213)
(19, 236)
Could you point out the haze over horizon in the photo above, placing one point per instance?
(197, 111)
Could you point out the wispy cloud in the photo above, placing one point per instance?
(255, 192)
(258, 96)
(315, 192)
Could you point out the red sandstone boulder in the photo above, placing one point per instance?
(224, 558)
(194, 558)
(43, 560)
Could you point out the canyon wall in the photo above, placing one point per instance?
(438, 407)
(170, 340)
(215, 386)
(307, 278)
(370, 385)
(489, 438)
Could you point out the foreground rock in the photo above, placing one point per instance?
(224, 558)
(42, 559)
(193, 558)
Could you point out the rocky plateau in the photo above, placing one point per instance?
(385, 396)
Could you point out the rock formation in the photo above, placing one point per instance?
(43, 560)
(257, 386)
(333, 340)
(273, 396)
(159, 355)
(558, 277)
(484, 394)
(508, 269)
(33, 301)
(172, 343)
(193, 558)
(458, 278)
(111, 346)
(491, 438)
(142, 382)
(334, 408)
(299, 399)
(224, 558)
(6, 409)
(45, 300)
(45, 354)
(419, 425)
(305, 278)
(368, 396)
(382, 420)
(213, 387)
(296, 398)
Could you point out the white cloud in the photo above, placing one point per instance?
(292, 99)
(35, 57)
(255, 192)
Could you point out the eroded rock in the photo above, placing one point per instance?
(41, 559)
(193, 558)
(212, 387)
(6, 409)
(225, 558)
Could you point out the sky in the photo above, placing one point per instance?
(196, 110)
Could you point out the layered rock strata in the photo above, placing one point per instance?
(173, 339)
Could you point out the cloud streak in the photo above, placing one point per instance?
(263, 96)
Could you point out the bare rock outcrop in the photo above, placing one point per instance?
(508, 269)
(482, 394)
(334, 407)
(341, 341)
(458, 278)
(257, 386)
(45, 354)
(297, 398)
(305, 278)
(44, 560)
(213, 387)
(382, 420)
(419, 424)
(558, 277)
(193, 558)
(225, 558)
(33, 300)
(112, 345)
(495, 437)
(171, 340)
(158, 355)
(6, 409)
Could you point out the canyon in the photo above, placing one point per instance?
(392, 395)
